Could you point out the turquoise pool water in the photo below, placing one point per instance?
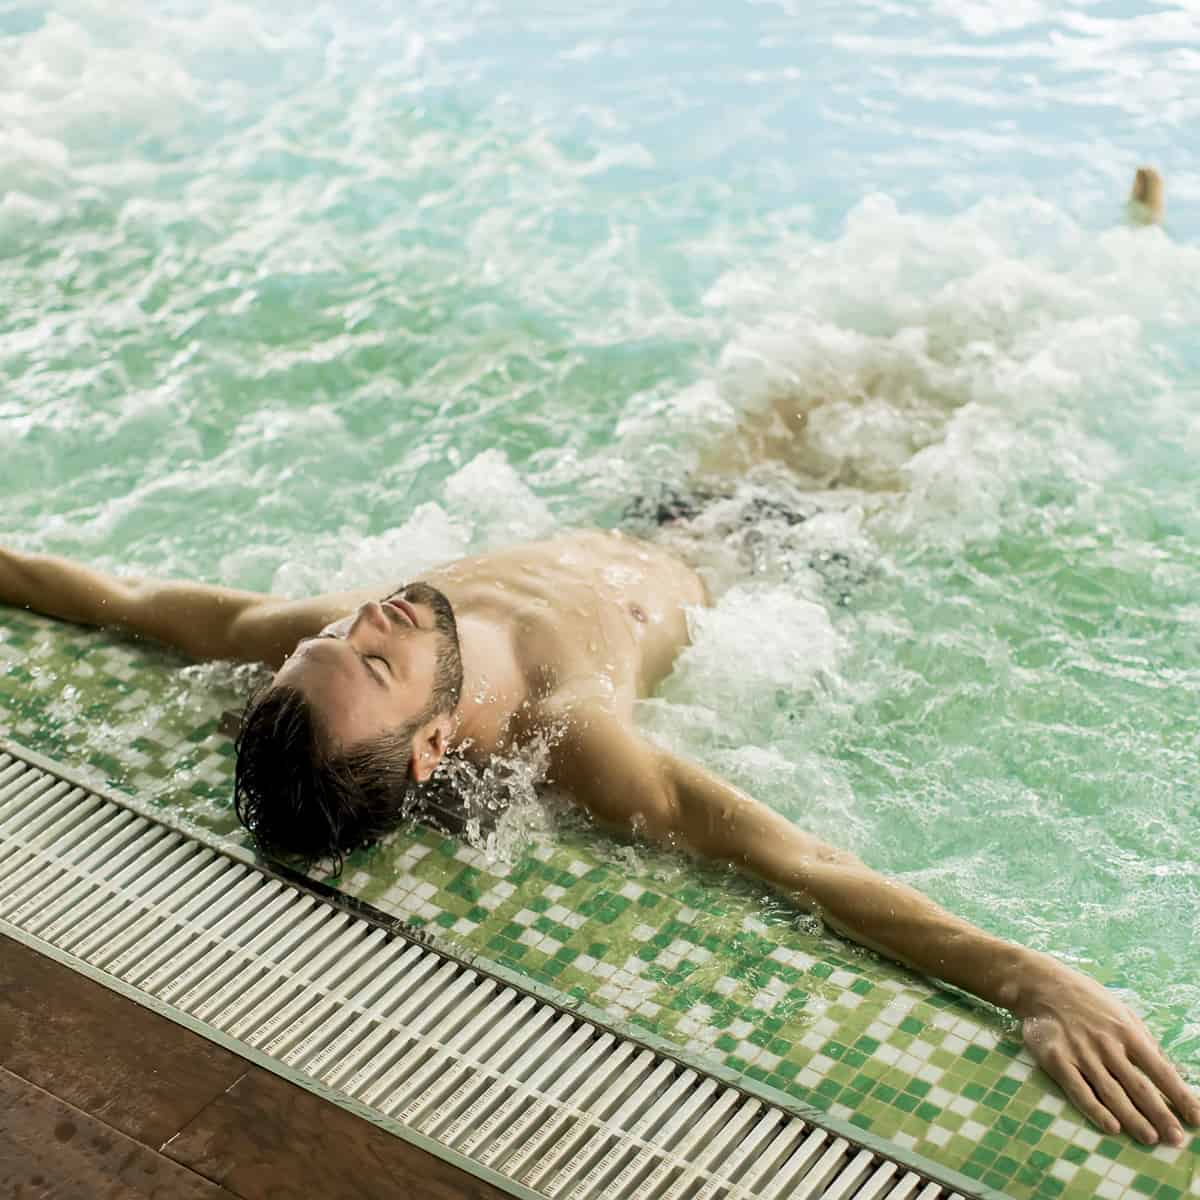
(286, 301)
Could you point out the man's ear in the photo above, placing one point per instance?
(429, 745)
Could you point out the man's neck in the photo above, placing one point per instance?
(492, 692)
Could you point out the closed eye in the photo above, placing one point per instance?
(365, 659)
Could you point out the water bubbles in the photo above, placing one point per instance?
(725, 659)
(621, 577)
(630, 862)
(498, 502)
(344, 561)
(499, 808)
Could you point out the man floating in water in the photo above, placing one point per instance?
(557, 640)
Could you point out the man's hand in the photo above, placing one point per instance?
(1101, 1055)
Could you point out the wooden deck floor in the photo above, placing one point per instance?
(99, 1097)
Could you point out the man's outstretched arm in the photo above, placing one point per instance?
(201, 620)
(1092, 1045)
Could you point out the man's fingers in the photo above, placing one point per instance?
(1081, 1095)
(1146, 1054)
(1115, 1097)
(1148, 1098)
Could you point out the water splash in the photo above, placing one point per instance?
(500, 808)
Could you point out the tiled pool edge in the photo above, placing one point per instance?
(450, 949)
(1045, 1176)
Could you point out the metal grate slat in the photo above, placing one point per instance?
(129, 863)
(610, 1144)
(309, 935)
(496, 1078)
(906, 1189)
(22, 796)
(347, 960)
(540, 1125)
(44, 853)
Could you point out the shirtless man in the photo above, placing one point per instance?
(373, 688)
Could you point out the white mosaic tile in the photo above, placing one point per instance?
(1121, 1175)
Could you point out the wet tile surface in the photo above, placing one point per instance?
(49, 1148)
(95, 1050)
(248, 1138)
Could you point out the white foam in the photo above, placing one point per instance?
(755, 642)
(32, 163)
(22, 214)
(497, 502)
(935, 362)
(342, 563)
(73, 76)
(983, 19)
(938, 368)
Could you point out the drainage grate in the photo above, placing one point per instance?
(492, 1076)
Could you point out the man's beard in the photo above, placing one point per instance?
(447, 685)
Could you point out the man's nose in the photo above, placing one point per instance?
(370, 616)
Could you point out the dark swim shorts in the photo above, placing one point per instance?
(670, 505)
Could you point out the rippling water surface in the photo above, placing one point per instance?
(288, 298)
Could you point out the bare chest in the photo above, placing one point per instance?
(599, 616)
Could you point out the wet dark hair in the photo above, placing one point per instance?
(301, 795)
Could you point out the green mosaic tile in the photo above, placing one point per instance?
(696, 962)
